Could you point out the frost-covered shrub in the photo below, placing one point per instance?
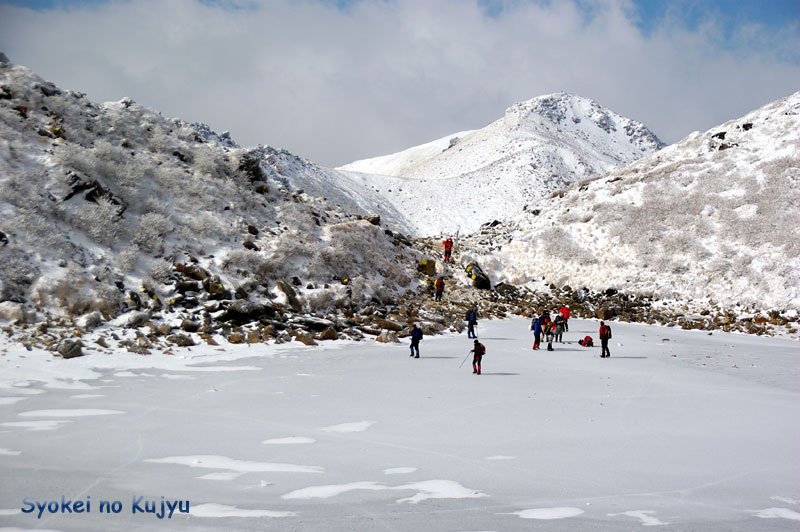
(150, 231)
(245, 263)
(160, 270)
(557, 243)
(126, 259)
(99, 220)
(17, 273)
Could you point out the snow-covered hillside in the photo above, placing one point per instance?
(99, 201)
(464, 180)
(713, 217)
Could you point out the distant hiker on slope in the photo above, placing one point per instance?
(472, 321)
(605, 336)
(439, 286)
(564, 311)
(536, 327)
(478, 351)
(448, 248)
(416, 336)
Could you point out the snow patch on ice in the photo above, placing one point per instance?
(357, 426)
(222, 510)
(399, 470)
(10, 511)
(332, 490)
(42, 424)
(777, 513)
(66, 412)
(429, 489)
(11, 400)
(787, 500)
(292, 440)
(231, 464)
(225, 475)
(500, 457)
(8, 452)
(86, 396)
(549, 513)
(438, 489)
(644, 516)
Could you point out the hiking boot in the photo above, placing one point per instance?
(416, 356)
(479, 372)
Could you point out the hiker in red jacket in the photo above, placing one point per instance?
(478, 353)
(448, 248)
(564, 311)
(605, 336)
(439, 286)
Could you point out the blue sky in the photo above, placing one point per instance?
(339, 80)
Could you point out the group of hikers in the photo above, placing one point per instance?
(552, 330)
(477, 351)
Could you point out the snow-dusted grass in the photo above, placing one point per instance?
(678, 429)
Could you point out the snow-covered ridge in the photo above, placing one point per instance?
(538, 147)
(99, 200)
(711, 218)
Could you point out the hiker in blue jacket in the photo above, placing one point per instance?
(472, 321)
(416, 336)
(536, 327)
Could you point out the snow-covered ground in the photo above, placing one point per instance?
(679, 429)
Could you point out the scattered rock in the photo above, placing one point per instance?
(70, 348)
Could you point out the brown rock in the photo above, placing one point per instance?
(328, 334)
(305, 338)
(253, 337)
(236, 338)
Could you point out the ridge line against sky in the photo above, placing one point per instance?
(340, 80)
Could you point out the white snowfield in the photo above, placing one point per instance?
(680, 430)
(466, 179)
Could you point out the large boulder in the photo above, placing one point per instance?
(70, 348)
(291, 296)
(243, 311)
(427, 266)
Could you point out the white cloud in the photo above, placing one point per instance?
(337, 85)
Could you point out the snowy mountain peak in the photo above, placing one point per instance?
(539, 146)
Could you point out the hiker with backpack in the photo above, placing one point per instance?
(536, 327)
(477, 354)
(605, 336)
(549, 333)
(561, 324)
(416, 336)
(439, 286)
(448, 248)
(472, 321)
(564, 311)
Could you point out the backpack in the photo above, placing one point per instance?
(439, 284)
(586, 342)
(605, 332)
(480, 350)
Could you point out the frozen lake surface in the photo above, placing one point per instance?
(678, 430)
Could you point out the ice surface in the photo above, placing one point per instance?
(696, 433)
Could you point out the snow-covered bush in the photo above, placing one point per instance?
(150, 231)
(100, 220)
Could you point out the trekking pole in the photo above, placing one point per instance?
(465, 359)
